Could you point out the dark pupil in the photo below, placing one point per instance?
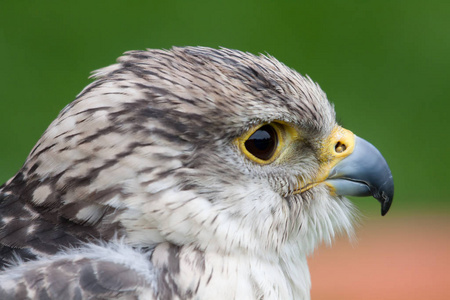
(263, 142)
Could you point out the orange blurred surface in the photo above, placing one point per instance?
(392, 258)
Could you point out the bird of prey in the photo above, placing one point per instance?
(189, 173)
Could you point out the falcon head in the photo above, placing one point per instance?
(223, 151)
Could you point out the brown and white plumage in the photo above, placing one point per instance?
(139, 187)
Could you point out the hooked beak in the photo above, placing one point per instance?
(364, 172)
(354, 167)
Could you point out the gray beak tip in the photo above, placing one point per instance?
(386, 196)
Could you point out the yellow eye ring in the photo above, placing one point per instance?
(264, 142)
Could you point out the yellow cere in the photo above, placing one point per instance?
(338, 145)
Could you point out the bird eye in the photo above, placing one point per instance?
(267, 142)
(263, 142)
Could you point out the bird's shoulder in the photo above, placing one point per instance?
(28, 230)
(96, 271)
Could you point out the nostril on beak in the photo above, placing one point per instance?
(340, 147)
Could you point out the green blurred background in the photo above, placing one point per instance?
(384, 63)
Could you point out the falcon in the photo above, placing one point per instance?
(190, 173)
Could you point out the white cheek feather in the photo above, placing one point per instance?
(255, 244)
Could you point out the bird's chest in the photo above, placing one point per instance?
(199, 275)
(243, 277)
